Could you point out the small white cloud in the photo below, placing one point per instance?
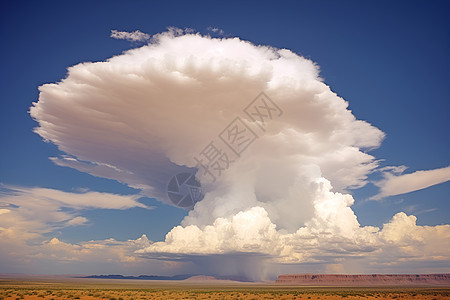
(393, 169)
(77, 221)
(396, 183)
(216, 30)
(135, 36)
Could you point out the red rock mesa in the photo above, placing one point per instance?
(364, 280)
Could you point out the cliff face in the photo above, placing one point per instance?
(362, 280)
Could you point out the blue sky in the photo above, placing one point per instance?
(389, 60)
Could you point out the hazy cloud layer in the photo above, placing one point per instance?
(142, 116)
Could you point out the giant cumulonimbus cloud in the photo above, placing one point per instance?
(142, 117)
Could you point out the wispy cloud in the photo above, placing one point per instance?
(29, 215)
(35, 211)
(397, 183)
(216, 30)
(135, 36)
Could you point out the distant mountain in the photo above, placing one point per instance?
(142, 277)
(189, 277)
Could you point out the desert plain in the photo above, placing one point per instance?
(48, 287)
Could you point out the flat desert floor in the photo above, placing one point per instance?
(89, 289)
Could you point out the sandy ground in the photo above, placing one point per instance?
(207, 295)
(90, 289)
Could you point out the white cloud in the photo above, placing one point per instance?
(77, 221)
(34, 213)
(90, 257)
(224, 235)
(135, 36)
(332, 236)
(151, 110)
(216, 30)
(396, 183)
(142, 116)
(93, 250)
